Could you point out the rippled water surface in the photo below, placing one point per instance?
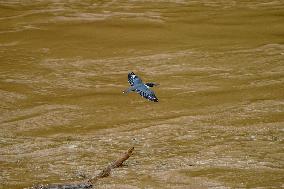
(219, 122)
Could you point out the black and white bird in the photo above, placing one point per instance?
(138, 86)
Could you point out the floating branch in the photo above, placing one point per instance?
(88, 183)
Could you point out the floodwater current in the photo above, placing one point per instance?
(219, 122)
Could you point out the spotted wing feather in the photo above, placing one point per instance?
(147, 93)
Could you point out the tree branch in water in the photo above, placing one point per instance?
(88, 183)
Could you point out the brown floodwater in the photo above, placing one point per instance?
(219, 122)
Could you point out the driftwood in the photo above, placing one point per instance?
(88, 183)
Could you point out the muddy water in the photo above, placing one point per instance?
(219, 122)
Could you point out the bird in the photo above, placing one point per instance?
(137, 85)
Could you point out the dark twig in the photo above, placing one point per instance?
(89, 182)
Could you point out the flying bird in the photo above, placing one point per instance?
(136, 85)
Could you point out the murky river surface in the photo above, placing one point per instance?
(219, 122)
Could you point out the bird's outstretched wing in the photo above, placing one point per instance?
(147, 93)
(134, 79)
